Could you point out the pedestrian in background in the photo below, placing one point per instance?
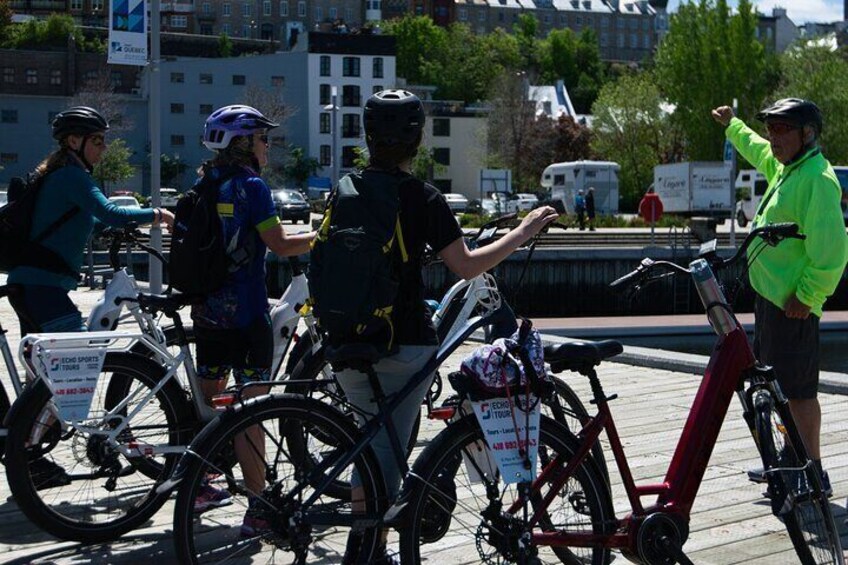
(793, 279)
(580, 209)
(590, 207)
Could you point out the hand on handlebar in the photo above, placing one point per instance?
(167, 218)
(536, 220)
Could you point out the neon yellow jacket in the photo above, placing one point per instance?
(807, 193)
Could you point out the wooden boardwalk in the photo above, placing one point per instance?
(731, 521)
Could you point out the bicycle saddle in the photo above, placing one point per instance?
(359, 356)
(576, 355)
(168, 304)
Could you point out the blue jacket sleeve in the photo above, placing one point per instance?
(85, 194)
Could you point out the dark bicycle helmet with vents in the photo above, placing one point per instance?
(796, 111)
(79, 120)
(393, 116)
(228, 122)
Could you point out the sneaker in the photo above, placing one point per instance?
(211, 497)
(47, 474)
(253, 525)
(800, 485)
(757, 475)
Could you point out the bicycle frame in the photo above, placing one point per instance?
(731, 359)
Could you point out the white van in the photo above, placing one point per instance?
(756, 184)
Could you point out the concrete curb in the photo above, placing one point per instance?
(829, 382)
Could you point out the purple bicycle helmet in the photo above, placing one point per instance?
(228, 122)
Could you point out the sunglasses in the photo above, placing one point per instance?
(780, 128)
(97, 140)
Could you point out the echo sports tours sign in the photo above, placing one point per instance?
(127, 32)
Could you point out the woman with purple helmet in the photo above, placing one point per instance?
(232, 325)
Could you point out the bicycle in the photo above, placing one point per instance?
(299, 502)
(566, 512)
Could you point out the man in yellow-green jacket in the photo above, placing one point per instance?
(793, 280)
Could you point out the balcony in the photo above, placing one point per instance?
(43, 5)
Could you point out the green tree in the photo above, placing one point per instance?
(821, 75)
(424, 166)
(420, 43)
(50, 33)
(708, 58)
(631, 128)
(225, 46)
(300, 167)
(5, 20)
(576, 60)
(526, 31)
(114, 166)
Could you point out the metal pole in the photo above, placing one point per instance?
(334, 93)
(154, 110)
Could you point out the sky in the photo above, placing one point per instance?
(799, 11)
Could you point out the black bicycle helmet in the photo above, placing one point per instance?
(393, 116)
(79, 120)
(796, 111)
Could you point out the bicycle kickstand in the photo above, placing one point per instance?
(674, 550)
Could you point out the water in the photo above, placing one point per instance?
(834, 347)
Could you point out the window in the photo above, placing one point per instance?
(350, 66)
(226, 29)
(441, 127)
(55, 76)
(266, 8)
(604, 22)
(31, 76)
(348, 14)
(246, 9)
(325, 65)
(179, 22)
(619, 40)
(278, 80)
(206, 8)
(9, 75)
(351, 96)
(324, 122)
(205, 109)
(646, 41)
(205, 78)
(245, 30)
(226, 8)
(348, 156)
(500, 16)
(301, 9)
(238, 80)
(324, 157)
(284, 9)
(97, 5)
(319, 13)
(177, 108)
(90, 76)
(177, 140)
(8, 158)
(116, 78)
(324, 94)
(334, 13)
(9, 116)
(378, 67)
(604, 39)
(462, 14)
(634, 41)
(441, 155)
(350, 125)
(177, 77)
(559, 180)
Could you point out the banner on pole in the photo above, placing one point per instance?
(127, 32)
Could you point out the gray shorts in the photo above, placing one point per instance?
(789, 345)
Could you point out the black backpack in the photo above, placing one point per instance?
(199, 262)
(17, 249)
(354, 263)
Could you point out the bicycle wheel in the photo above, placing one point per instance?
(796, 494)
(291, 531)
(72, 483)
(567, 409)
(315, 379)
(455, 493)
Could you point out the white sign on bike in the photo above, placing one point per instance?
(73, 375)
(499, 429)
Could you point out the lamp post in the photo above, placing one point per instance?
(334, 132)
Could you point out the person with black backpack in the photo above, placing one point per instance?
(61, 202)
(232, 325)
(366, 268)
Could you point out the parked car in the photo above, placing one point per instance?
(125, 201)
(4, 198)
(457, 203)
(291, 205)
(169, 197)
(525, 201)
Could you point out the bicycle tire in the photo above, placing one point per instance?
(195, 542)
(305, 367)
(434, 502)
(573, 415)
(4, 409)
(806, 515)
(113, 509)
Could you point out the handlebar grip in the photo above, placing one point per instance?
(784, 229)
(626, 279)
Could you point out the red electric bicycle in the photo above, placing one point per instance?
(566, 513)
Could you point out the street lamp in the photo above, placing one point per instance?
(334, 108)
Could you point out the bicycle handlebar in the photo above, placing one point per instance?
(128, 234)
(772, 234)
